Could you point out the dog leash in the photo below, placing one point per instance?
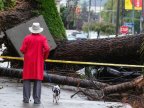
(48, 77)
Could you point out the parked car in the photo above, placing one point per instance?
(81, 36)
(71, 37)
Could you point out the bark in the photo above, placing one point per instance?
(100, 89)
(137, 83)
(24, 10)
(123, 87)
(21, 12)
(114, 50)
(124, 50)
(52, 78)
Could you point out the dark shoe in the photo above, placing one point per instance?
(25, 101)
(37, 102)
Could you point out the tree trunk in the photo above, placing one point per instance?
(21, 12)
(124, 50)
(26, 9)
(119, 88)
(52, 78)
(137, 83)
(114, 50)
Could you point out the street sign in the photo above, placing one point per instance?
(133, 4)
(124, 29)
(129, 24)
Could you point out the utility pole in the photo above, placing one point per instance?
(123, 12)
(95, 6)
(133, 15)
(89, 18)
(142, 17)
(117, 18)
(112, 15)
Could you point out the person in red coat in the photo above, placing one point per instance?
(35, 49)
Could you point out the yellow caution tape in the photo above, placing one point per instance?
(77, 62)
(11, 58)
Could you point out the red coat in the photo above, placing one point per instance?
(35, 49)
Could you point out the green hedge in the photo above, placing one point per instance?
(49, 10)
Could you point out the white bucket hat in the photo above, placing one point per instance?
(35, 28)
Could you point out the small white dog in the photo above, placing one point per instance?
(56, 93)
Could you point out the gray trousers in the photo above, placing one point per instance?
(36, 90)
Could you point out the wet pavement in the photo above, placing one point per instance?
(11, 97)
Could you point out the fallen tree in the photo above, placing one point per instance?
(123, 87)
(26, 9)
(114, 50)
(23, 10)
(125, 50)
(117, 91)
(52, 78)
(105, 88)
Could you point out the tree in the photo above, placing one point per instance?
(48, 9)
(53, 78)
(120, 50)
(109, 11)
(123, 50)
(25, 9)
(67, 15)
(63, 14)
(73, 19)
(105, 28)
(82, 16)
(71, 14)
(128, 18)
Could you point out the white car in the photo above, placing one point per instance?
(81, 36)
(71, 37)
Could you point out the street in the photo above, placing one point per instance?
(11, 97)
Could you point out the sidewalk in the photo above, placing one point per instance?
(11, 97)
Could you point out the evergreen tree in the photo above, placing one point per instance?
(53, 20)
